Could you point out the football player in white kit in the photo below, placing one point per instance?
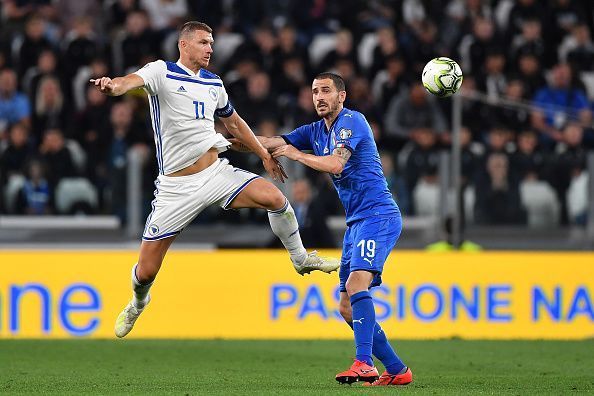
(184, 98)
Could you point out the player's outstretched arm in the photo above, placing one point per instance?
(119, 85)
(241, 130)
(327, 163)
(269, 143)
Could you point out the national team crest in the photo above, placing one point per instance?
(213, 93)
(345, 133)
(153, 229)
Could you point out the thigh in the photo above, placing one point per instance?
(373, 240)
(232, 182)
(259, 193)
(345, 260)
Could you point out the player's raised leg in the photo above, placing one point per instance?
(262, 194)
(144, 272)
(396, 372)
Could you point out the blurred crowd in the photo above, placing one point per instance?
(528, 67)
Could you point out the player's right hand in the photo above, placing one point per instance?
(105, 84)
(274, 169)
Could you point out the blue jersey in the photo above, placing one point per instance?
(361, 186)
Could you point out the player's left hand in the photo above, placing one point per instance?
(287, 151)
(274, 169)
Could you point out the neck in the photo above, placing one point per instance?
(193, 67)
(329, 119)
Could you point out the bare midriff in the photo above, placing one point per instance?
(201, 163)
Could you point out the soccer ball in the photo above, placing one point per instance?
(442, 77)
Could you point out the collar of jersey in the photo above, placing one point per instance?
(190, 72)
(333, 122)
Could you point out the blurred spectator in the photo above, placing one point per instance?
(56, 157)
(260, 48)
(304, 112)
(139, 45)
(47, 65)
(32, 45)
(530, 73)
(528, 161)
(422, 159)
(578, 50)
(492, 78)
(119, 9)
(411, 110)
(516, 119)
(344, 51)
(92, 132)
(289, 47)
(14, 106)
(18, 151)
(291, 78)
(564, 15)
(569, 161)
(559, 103)
(125, 135)
(165, 15)
(51, 110)
(70, 12)
(390, 82)
(80, 82)
(80, 46)
(359, 98)
(475, 46)
(311, 216)
(530, 41)
(396, 183)
(259, 102)
(35, 198)
(424, 47)
(497, 194)
(522, 11)
(387, 47)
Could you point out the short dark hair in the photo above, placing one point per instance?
(336, 79)
(192, 26)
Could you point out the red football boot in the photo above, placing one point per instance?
(393, 379)
(359, 371)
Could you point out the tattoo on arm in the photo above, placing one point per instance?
(342, 153)
(238, 146)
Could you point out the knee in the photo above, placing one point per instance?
(274, 199)
(352, 287)
(146, 272)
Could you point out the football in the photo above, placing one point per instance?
(442, 77)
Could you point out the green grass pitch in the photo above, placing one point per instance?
(184, 367)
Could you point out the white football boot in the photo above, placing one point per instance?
(313, 262)
(127, 318)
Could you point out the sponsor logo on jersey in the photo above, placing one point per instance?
(181, 89)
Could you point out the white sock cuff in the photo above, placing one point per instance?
(135, 278)
(282, 210)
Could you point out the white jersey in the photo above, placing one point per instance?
(183, 106)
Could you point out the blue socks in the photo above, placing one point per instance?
(363, 325)
(384, 352)
(370, 337)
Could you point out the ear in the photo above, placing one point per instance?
(341, 96)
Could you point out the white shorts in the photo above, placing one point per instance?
(178, 200)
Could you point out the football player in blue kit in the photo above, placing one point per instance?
(343, 145)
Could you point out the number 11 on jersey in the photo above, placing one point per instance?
(199, 108)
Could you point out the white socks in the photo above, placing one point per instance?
(284, 225)
(140, 291)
